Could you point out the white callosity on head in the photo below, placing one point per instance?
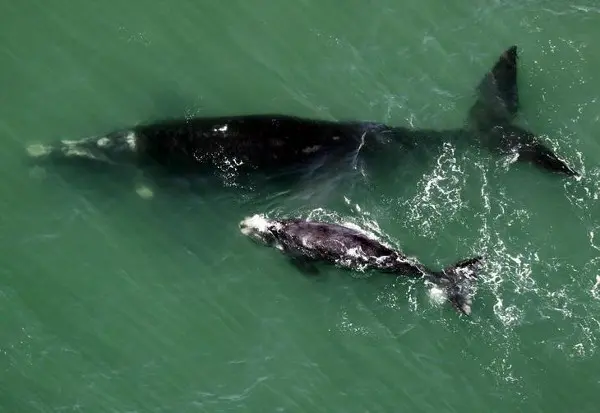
(127, 141)
(103, 142)
(131, 140)
(258, 228)
(76, 149)
(37, 149)
(254, 224)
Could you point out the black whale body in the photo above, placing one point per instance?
(272, 142)
(307, 242)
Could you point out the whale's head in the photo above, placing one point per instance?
(259, 229)
(116, 148)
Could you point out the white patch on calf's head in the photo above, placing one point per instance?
(258, 228)
(254, 223)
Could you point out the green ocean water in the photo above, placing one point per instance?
(114, 303)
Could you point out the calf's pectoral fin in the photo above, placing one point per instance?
(305, 265)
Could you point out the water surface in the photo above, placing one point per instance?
(112, 303)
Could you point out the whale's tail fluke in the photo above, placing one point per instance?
(512, 139)
(497, 93)
(491, 118)
(458, 280)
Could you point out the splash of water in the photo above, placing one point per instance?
(438, 195)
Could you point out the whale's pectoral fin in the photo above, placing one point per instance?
(143, 186)
(301, 262)
(497, 93)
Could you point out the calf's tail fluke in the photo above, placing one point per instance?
(458, 280)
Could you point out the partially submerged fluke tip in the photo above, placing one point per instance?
(511, 53)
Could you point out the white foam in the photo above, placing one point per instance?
(437, 295)
(438, 198)
(595, 288)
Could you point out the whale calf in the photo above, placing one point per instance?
(307, 242)
(274, 141)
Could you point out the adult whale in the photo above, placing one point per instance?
(272, 142)
(307, 242)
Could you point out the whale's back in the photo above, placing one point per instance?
(330, 241)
